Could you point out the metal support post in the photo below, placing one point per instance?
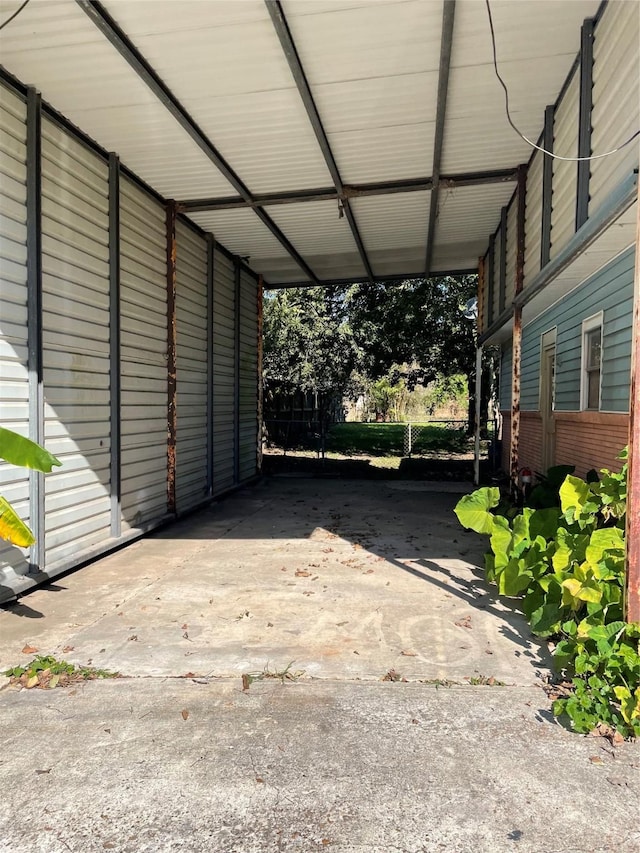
(172, 414)
(34, 314)
(114, 342)
(476, 451)
(632, 590)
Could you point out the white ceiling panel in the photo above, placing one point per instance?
(313, 225)
(228, 70)
(54, 45)
(401, 219)
(533, 64)
(470, 212)
(241, 232)
(372, 69)
(372, 66)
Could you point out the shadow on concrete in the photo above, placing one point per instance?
(416, 468)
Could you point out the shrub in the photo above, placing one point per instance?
(567, 565)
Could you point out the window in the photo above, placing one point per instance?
(591, 362)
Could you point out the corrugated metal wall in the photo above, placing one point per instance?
(533, 218)
(565, 173)
(224, 372)
(248, 376)
(143, 357)
(616, 98)
(512, 248)
(75, 294)
(14, 382)
(104, 349)
(496, 276)
(506, 363)
(192, 316)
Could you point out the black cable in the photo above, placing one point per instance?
(520, 134)
(15, 15)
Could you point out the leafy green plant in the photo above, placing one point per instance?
(567, 565)
(46, 671)
(21, 451)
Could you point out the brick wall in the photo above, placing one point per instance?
(584, 439)
(590, 439)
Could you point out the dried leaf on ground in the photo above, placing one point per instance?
(407, 653)
(302, 573)
(185, 714)
(595, 759)
(464, 622)
(29, 650)
(68, 649)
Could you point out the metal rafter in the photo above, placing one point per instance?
(409, 185)
(281, 26)
(448, 15)
(397, 278)
(112, 32)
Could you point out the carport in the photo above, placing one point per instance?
(241, 146)
(163, 163)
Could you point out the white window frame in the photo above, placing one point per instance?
(588, 325)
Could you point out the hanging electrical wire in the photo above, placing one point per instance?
(15, 15)
(520, 134)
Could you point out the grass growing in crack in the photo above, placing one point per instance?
(286, 674)
(46, 672)
(488, 681)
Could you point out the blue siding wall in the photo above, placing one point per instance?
(610, 291)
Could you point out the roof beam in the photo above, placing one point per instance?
(116, 36)
(281, 26)
(398, 278)
(446, 41)
(409, 185)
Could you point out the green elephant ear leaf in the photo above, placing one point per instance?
(21, 451)
(473, 510)
(12, 527)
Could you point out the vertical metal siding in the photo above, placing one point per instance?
(223, 372)
(191, 354)
(512, 249)
(248, 398)
(496, 276)
(14, 380)
(143, 318)
(616, 98)
(75, 280)
(506, 361)
(533, 219)
(565, 173)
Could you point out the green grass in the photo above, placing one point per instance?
(378, 439)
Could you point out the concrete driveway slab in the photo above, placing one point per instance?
(344, 582)
(343, 579)
(169, 765)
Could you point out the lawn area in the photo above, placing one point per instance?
(378, 439)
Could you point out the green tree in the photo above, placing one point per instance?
(416, 322)
(308, 341)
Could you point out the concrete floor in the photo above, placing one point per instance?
(342, 581)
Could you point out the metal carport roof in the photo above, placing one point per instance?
(320, 140)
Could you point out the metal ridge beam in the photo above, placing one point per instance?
(292, 56)
(408, 185)
(377, 279)
(96, 12)
(446, 42)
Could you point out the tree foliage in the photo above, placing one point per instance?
(308, 342)
(416, 323)
(377, 336)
